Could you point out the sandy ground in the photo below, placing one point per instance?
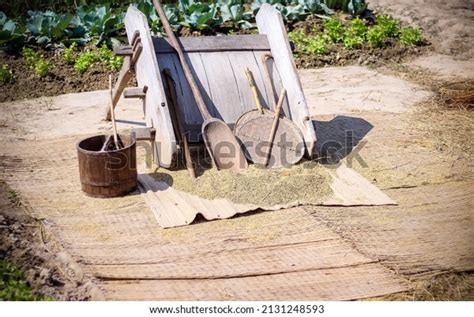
(355, 89)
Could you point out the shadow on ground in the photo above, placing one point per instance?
(340, 137)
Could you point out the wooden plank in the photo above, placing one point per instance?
(270, 22)
(123, 50)
(225, 72)
(239, 61)
(186, 100)
(252, 42)
(339, 283)
(135, 92)
(252, 261)
(224, 84)
(147, 134)
(148, 74)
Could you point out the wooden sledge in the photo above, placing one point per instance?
(218, 64)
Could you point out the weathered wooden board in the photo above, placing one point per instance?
(336, 283)
(148, 74)
(239, 61)
(253, 42)
(270, 23)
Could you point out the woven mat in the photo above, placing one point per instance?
(285, 254)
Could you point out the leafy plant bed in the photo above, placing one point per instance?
(13, 285)
(61, 78)
(341, 41)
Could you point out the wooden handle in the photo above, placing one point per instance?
(106, 144)
(124, 77)
(184, 64)
(253, 87)
(265, 58)
(126, 72)
(275, 125)
(112, 114)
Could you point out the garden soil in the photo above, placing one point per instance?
(448, 24)
(338, 55)
(62, 79)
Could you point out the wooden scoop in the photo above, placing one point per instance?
(223, 147)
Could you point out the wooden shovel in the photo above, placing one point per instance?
(216, 133)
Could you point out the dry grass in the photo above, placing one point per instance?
(458, 94)
(306, 182)
(445, 287)
(451, 94)
(447, 119)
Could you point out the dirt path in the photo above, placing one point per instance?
(25, 241)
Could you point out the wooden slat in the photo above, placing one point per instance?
(239, 61)
(135, 92)
(341, 283)
(219, 75)
(123, 50)
(222, 86)
(253, 261)
(186, 101)
(144, 134)
(214, 44)
(270, 22)
(148, 74)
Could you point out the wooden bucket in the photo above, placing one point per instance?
(108, 173)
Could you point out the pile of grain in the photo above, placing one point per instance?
(306, 183)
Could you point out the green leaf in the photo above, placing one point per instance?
(3, 18)
(35, 24)
(9, 26)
